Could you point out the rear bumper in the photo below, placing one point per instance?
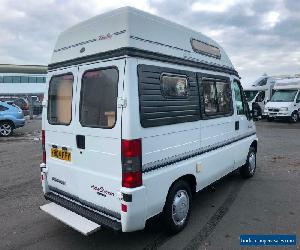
(86, 212)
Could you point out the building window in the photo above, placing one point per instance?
(98, 103)
(174, 86)
(60, 99)
(40, 79)
(24, 79)
(32, 79)
(217, 97)
(7, 79)
(16, 79)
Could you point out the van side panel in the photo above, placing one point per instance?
(205, 148)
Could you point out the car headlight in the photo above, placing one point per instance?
(283, 109)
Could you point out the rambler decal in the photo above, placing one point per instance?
(99, 38)
(102, 191)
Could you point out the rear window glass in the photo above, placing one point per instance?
(60, 99)
(99, 91)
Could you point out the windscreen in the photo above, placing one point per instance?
(60, 99)
(284, 96)
(99, 92)
(250, 94)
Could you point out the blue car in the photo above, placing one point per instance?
(11, 117)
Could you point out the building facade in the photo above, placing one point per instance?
(22, 79)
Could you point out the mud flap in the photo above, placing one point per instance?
(71, 219)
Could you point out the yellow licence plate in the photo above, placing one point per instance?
(60, 154)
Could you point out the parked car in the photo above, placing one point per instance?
(11, 117)
(21, 102)
(137, 120)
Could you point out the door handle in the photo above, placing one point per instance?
(80, 141)
(237, 125)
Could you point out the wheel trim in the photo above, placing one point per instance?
(180, 207)
(5, 129)
(252, 162)
(294, 117)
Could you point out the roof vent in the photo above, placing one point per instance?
(205, 49)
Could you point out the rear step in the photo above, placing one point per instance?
(84, 212)
(70, 218)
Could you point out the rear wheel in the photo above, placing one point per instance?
(294, 117)
(270, 119)
(6, 129)
(248, 170)
(178, 207)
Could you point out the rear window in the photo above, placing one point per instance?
(60, 99)
(99, 91)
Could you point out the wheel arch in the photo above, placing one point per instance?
(254, 145)
(190, 179)
(9, 121)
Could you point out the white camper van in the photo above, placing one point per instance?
(285, 102)
(139, 114)
(259, 93)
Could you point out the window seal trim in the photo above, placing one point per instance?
(61, 124)
(80, 101)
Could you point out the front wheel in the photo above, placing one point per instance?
(6, 129)
(248, 170)
(294, 117)
(177, 207)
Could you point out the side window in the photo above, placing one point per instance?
(1, 79)
(238, 99)
(217, 97)
(167, 96)
(99, 92)
(174, 86)
(60, 99)
(2, 108)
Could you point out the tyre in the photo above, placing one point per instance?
(248, 170)
(270, 119)
(6, 129)
(294, 117)
(177, 207)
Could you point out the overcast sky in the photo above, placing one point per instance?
(259, 36)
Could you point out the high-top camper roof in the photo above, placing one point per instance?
(288, 83)
(129, 29)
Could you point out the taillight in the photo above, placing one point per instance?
(43, 147)
(132, 163)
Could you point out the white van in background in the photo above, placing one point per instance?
(259, 93)
(139, 114)
(285, 102)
